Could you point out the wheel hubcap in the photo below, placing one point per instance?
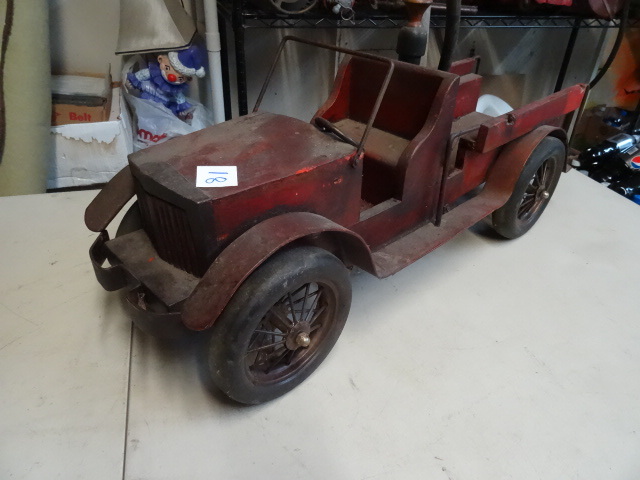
(303, 339)
(299, 335)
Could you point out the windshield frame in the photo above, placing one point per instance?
(383, 89)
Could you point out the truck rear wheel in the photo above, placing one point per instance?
(533, 190)
(280, 325)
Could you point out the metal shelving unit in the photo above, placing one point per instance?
(243, 16)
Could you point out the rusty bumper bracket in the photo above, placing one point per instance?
(111, 278)
(109, 201)
(156, 289)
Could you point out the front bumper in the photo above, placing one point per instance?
(157, 289)
(111, 278)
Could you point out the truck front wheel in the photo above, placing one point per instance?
(280, 325)
(533, 190)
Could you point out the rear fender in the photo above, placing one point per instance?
(109, 201)
(506, 169)
(245, 254)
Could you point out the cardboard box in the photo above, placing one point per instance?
(80, 98)
(91, 153)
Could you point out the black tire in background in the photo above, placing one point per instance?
(533, 190)
(280, 325)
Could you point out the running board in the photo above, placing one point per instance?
(394, 256)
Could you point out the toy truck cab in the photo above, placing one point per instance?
(375, 180)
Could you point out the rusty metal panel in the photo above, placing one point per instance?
(264, 147)
(406, 103)
(111, 277)
(416, 244)
(473, 172)
(465, 66)
(501, 181)
(160, 324)
(136, 254)
(411, 95)
(421, 165)
(468, 94)
(382, 150)
(169, 230)
(418, 172)
(109, 201)
(247, 253)
(337, 105)
(283, 164)
(508, 127)
(392, 219)
(331, 190)
(298, 184)
(505, 171)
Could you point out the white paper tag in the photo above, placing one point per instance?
(217, 176)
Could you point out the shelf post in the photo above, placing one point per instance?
(412, 39)
(567, 54)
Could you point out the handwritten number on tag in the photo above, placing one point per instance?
(209, 176)
(222, 177)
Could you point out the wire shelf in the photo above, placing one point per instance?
(242, 16)
(252, 17)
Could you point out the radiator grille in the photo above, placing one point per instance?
(169, 230)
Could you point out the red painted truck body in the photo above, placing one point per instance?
(430, 167)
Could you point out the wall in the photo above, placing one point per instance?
(27, 97)
(83, 35)
(529, 58)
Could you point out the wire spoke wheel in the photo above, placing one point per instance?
(280, 325)
(537, 192)
(290, 333)
(532, 191)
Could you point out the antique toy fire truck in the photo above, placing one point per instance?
(245, 229)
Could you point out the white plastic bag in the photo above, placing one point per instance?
(153, 122)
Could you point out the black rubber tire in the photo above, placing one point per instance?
(515, 218)
(231, 362)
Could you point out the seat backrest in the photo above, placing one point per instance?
(418, 106)
(407, 101)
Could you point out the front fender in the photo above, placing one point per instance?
(245, 254)
(109, 201)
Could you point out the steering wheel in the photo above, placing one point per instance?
(326, 126)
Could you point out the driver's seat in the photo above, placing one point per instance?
(402, 115)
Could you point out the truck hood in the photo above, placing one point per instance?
(264, 147)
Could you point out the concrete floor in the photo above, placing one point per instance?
(487, 359)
